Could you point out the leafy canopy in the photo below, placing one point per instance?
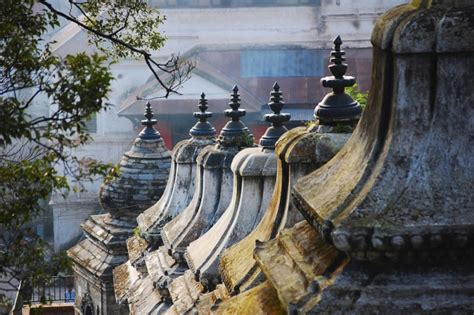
(33, 144)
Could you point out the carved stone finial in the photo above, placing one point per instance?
(337, 107)
(273, 133)
(203, 128)
(234, 128)
(149, 132)
(338, 67)
(234, 103)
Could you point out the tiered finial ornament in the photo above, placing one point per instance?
(234, 127)
(203, 128)
(277, 119)
(149, 132)
(338, 107)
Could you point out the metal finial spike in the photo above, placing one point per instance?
(273, 133)
(203, 103)
(234, 129)
(148, 111)
(148, 115)
(338, 67)
(276, 98)
(338, 42)
(337, 107)
(203, 128)
(234, 100)
(149, 132)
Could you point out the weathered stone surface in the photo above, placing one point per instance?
(95, 259)
(143, 173)
(415, 290)
(300, 151)
(254, 179)
(398, 197)
(213, 183)
(260, 300)
(297, 263)
(148, 261)
(254, 171)
(213, 191)
(406, 172)
(212, 195)
(179, 189)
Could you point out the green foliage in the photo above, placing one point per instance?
(247, 139)
(141, 23)
(358, 95)
(136, 231)
(37, 150)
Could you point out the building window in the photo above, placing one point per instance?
(282, 63)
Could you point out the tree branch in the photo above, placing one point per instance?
(173, 63)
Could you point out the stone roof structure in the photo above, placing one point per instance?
(130, 277)
(143, 174)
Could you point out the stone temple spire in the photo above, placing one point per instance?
(273, 133)
(338, 106)
(203, 128)
(143, 173)
(149, 132)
